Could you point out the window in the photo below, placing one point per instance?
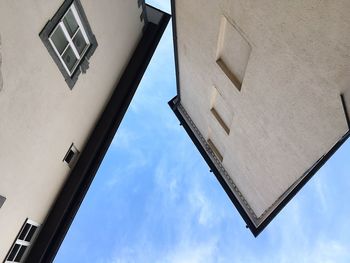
(69, 40)
(71, 156)
(24, 240)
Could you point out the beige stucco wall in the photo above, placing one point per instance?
(40, 115)
(1, 82)
(288, 112)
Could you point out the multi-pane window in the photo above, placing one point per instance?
(70, 40)
(24, 240)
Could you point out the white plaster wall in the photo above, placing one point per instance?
(288, 113)
(40, 115)
(1, 81)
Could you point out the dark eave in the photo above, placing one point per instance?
(173, 105)
(307, 175)
(176, 56)
(78, 182)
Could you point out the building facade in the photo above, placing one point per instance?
(263, 89)
(68, 71)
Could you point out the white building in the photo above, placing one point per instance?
(56, 122)
(263, 88)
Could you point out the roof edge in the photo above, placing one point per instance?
(71, 195)
(255, 228)
(174, 103)
(176, 53)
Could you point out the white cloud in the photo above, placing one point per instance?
(125, 138)
(202, 205)
(121, 171)
(321, 190)
(192, 251)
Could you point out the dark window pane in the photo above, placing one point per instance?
(24, 232)
(69, 58)
(79, 42)
(20, 254)
(70, 23)
(31, 233)
(59, 40)
(13, 252)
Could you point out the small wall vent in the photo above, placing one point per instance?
(71, 156)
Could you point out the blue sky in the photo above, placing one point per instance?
(154, 199)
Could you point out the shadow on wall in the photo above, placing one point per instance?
(0, 66)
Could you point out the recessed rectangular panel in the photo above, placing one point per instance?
(233, 52)
(220, 120)
(221, 111)
(215, 150)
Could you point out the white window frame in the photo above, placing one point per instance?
(70, 39)
(22, 242)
